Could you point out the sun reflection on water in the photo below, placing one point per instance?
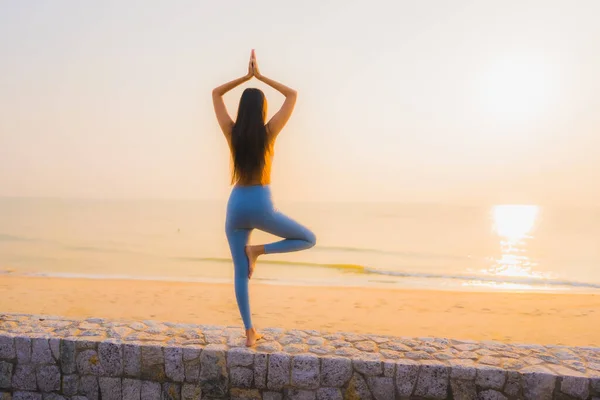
(514, 224)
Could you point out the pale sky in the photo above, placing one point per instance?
(458, 101)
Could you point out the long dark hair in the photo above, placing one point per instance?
(249, 136)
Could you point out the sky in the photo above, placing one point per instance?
(430, 101)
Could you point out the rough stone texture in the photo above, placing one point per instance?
(132, 389)
(24, 377)
(272, 396)
(6, 370)
(54, 358)
(490, 378)
(406, 378)
(70, 385)
(88, 386)
(48, 378)
(382, 388)
(491, 395)
(329, 394)
(575, 386)
(111, 358)
(132, 361)
(153, 363)
(171, 391)
(214, 378)
(245, 394)
(41, 353)
(463, 390)
(278, 374)
(191, 392)
(538, 384)
(110, 388)
(26, 396)
(335, 371)
(191, 364)
(305, 371)
(241, 377)
(151, 390)
(357, 388)
(260, 371)
(433, 382)
(174, 364)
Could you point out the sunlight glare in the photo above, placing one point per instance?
(514, 222)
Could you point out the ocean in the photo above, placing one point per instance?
(419, 246)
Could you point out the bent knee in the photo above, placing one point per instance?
(311, 238)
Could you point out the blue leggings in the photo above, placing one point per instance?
(251, 207)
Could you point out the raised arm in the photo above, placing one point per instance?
(225, 121)
(281, 117)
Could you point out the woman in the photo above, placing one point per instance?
(250, 206)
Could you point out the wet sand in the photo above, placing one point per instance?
(541, 318)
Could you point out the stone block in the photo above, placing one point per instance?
(6, 371)
(48, 378)
(68, 363)
(191, 364)
(7, 348)
(278, 375)
(174, 368)
(382, 388)
(23, 350)
(305, 372)
(131, 389)
(40, 352)
(214, 379)
(132, 361)
(171, 391)
(88, 387)
(335, 371)
(490, 378)
(151, 390)
(538, 383)
(330, 394)
(298, 394)
(110, 388)
(240, 357)
(26, 396)
(111, 358)
(153, 363)
(241, 377)
(70, 385)
(191, 392)
(357, 388)
(578, 387)
(260, 371)
(88, 363)
(24, 377)
(406, 377)
(432, 382)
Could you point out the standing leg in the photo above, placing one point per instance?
(238, 239)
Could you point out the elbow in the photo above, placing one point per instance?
(215, 93)
(292, 93)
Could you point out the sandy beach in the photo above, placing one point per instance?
(567, 319)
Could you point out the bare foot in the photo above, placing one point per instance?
(252, 252)
(252, 337)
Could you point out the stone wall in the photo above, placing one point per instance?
(49, 358)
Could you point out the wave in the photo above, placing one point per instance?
(13, 238)
(362, 269)
(411, 254)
